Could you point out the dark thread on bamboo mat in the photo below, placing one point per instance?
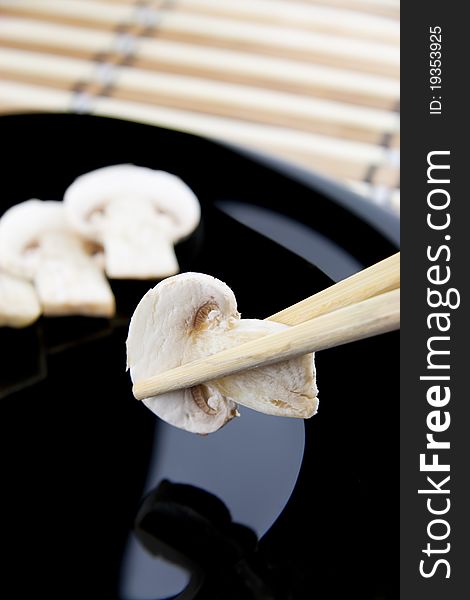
(386, 140)
(104, 61)
(103, 89)
(147, 29)
(79, 87)
(106, 90)
(84, 91)
(115, 57)
(123, 30)
(370, 173)
(81, 99)
(167, 4)
(147, 25)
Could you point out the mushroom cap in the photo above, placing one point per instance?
(175, 203)
(161, 332)
(193, 315)
(19, 303)
(22, 226)
(168, 318)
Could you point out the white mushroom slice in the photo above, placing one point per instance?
(19, 303)
(192, 315)
(137, 214)
(37, 243)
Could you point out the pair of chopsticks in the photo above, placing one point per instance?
(361, 306)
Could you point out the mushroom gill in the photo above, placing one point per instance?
(199, 393)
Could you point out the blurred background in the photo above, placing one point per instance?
(313, 82)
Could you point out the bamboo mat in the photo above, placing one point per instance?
(315, 82)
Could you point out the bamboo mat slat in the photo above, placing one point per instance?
(354, 53)
(288, 13)
(315, 83)
(387, 8)
(226, 99)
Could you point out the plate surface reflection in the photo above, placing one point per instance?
(282, 507)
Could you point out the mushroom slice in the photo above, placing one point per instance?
(19, 304)
(193, 315)
(137, 214)
(37, 243)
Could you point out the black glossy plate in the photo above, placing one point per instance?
(79, 453)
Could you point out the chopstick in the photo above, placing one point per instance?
(370, 305)
(373, 316)
(377, 279)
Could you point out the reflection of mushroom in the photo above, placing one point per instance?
(19, 304)
(36, 243)
(194, 315)
(137, 214)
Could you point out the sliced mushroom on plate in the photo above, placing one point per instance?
(19, 303)
(192, 315)
(137, 214)
(37, 243)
